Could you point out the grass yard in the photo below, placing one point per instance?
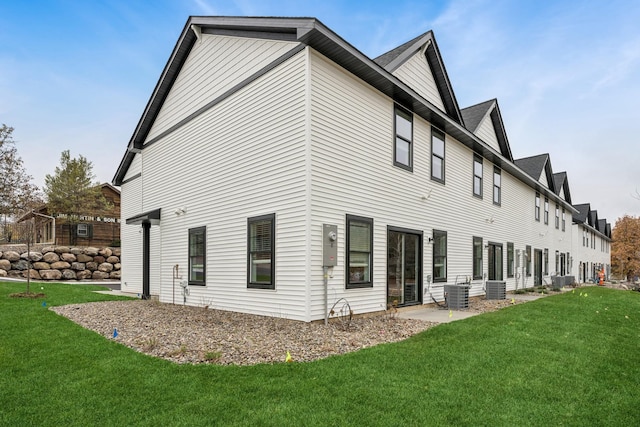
(569, 359)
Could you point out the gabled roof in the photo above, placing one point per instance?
(534, 166)
(608, 230)
(393, 59)
(474, 115)
(313, 33)
(561, 182)
(593, 219)
(602, 225)
(583, 213)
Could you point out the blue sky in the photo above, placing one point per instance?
(77, 74)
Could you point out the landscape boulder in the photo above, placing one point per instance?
(50, 257)
(21, 265)
(105, 267)
(116, 252)
(113, 259)
(115, 275)
(11, 256)
(5, 264)
(61, 249)
(42, 265)
(91, 266)
(60, 265)
(99, 259)
(76, 251)
(33, 274)
(84, 258)
(68, 274)
(105, 252)
(78, 266)
(91, 251)
(68, 257)
(99, 275)
(31, 256)
(3, 273)
(51, 274)
(84, 274)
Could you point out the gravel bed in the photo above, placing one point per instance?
(185, 334)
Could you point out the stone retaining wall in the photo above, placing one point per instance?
(61, 263)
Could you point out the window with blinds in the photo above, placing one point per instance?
(261, 261)
(359, 251)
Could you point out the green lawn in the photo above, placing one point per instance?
(566, 359)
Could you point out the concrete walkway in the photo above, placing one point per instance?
(433, 313)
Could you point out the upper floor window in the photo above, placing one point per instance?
(477, 257)
(537, 212)
(439, 256)
(477, 175)
(497, 186)
(403, 152)
(546, 210)
(261, 252)
(359, 251)
(557, 216)
(437, 155)
(197, 255)
(564, 219)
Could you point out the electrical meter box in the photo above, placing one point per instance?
(329, 245)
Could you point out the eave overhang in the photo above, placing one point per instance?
(316, 35)
(151, 217)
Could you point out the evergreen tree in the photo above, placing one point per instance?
(71, 191)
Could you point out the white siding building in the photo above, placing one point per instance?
(262, 131)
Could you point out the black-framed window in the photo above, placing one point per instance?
(494, 261)
(564, 219)
(359, 252)
(546, 261)
(439, 256)
(510, 259)
(477, 257)
(584, 237)
(403, 144)
(261, 252)
(557, 216)
(546, 210)
(537, 212)
(528, 261)
(437, 155)
(477, 175)
(557, 262)
(197, 255)
(497, 186)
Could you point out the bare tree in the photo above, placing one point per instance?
(17, 193)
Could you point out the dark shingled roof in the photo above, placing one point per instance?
(534, 166)
(561, 182)
(602, 225)
(472, 116)
(394, 58)
(583, 213)
(388, 57)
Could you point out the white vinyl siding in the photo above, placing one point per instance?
(416, 73)
(215, 64)
(487, 133)
(131, 235)
(257, 134)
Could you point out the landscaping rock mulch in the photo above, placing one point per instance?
(185, 334)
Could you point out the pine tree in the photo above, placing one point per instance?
(71, 190)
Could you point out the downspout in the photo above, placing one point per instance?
(146, 259)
